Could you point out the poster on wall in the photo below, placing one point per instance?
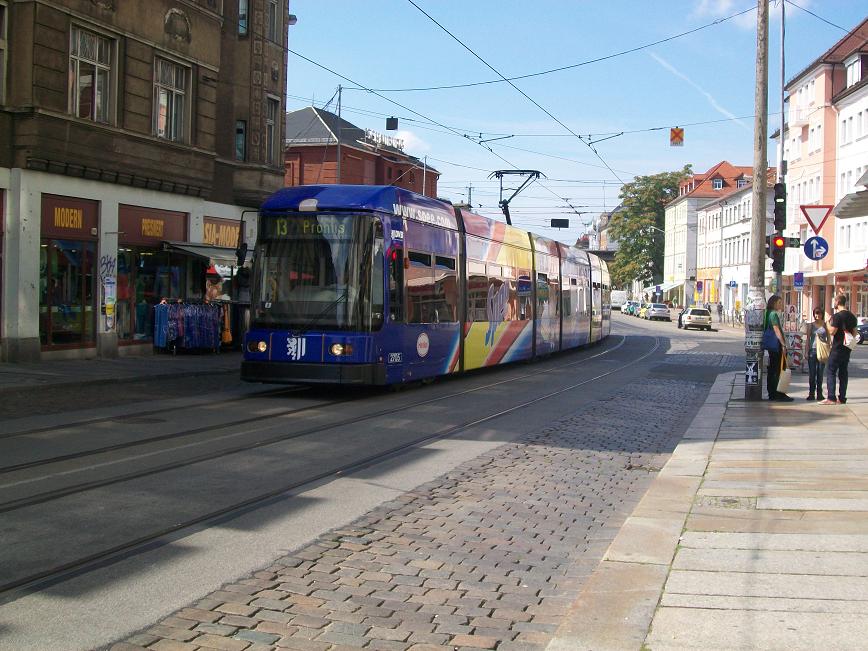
(109, 288)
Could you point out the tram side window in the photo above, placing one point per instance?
(542, 296)
(570, 297)
(445, 289)
(477, 291)
(420, 287)
(396, 285)
(503, 300)
(524, 295)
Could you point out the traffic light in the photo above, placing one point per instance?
(780, 206)
(776, 249)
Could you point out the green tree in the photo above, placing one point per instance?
(640, 247)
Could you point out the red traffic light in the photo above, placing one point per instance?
(779, 242)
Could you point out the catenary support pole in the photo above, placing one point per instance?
(756, 300)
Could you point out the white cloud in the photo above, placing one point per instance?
(413, 144)
(711, 100)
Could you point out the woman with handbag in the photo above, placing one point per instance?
(775, 344)
(817, 344)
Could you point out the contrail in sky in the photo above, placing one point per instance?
(720, 109)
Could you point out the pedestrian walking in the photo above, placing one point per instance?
(775, 344)
(817, 344)
(842, 334)
(720, 312)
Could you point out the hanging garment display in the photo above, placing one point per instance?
(189, 325)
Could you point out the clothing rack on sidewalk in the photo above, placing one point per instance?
(190, 326)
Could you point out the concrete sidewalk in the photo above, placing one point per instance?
(753, 536)
(22, 376)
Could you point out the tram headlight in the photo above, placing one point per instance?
(339, 350)
(257, 346)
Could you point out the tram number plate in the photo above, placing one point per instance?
(395, 358)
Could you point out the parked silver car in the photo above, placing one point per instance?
(658, 311)
(697, 317)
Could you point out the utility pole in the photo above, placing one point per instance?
(756, 300)
(779, 276)
(339, 134)
(470, 195)
(424, 173)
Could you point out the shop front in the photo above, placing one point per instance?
(146, 273)
(67, 257)
(220, 280)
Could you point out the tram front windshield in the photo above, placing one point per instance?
(319, 271)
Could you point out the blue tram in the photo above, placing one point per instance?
(378, 285)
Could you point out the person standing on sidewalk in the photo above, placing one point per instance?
(720, 312)
(841, 324)
(815, 332)
(777, 353)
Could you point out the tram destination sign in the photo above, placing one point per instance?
(301, 228)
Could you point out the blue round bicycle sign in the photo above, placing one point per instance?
(816, 248)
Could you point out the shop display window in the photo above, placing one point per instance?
(67, 315)
(145, 277)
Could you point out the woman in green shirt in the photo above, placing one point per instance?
(773, 321)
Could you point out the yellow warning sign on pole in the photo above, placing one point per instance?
(676, 137)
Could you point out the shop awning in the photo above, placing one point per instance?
(854, 204)
(222, 255)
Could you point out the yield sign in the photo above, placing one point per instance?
(816, 216)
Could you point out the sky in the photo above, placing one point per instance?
(703, 81)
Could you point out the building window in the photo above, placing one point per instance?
(272, 20)
(717, 184)
(170, 100)
(854, 71)
(271, 114)
(741, 183)
(243, 9)
(89, 75)
(240, 140)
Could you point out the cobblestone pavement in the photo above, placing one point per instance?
(488, 556)
(706, 359)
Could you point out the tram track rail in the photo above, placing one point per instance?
(12, 468)
(116, 552)
(143, 414)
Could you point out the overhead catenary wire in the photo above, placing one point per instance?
(828, 22)
(525, 95)
(574, 65)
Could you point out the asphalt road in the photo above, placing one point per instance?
(80, 483)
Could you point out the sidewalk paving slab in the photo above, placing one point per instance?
(759, 523)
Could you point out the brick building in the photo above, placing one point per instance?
(315, 136)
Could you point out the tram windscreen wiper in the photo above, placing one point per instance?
(319, 315)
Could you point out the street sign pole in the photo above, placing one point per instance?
(755, 302)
